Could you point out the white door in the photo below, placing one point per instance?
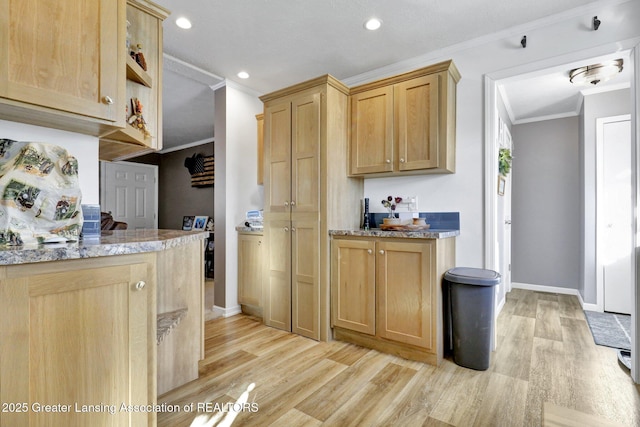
(129, 191)
(615, 212)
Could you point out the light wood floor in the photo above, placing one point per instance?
(545, 354)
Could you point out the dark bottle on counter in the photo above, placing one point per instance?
(365, 221)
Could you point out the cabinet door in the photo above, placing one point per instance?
(305, 154)
(277, 146)
(371, 143)
(277, 276)
(77, 337)
(250, 270)
(62, 54)
(353, 296)
(305, 280)
(406, 292)
(416, 123)
(260, 147)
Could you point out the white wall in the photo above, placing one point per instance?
(241, 191)
(558, 39)
(82, 147)
(595, 106)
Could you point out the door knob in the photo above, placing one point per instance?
(286, 229)
(107, 100)
(286, 204)
(140, 285)
(401, 160)
(293, 203)
(369, 251)
(381, 252)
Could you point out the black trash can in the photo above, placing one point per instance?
(470, 302)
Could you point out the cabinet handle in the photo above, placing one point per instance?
(286, 229)
(381, 252)
(286, 204)
(388, 160)
(401, 160)
(140, 285)
(369, 251)
(293, 229)
(293, 203)
(107, 100)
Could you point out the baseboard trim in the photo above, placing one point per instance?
(556, 290)
(226, 312)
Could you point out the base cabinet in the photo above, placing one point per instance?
(76, 335)
(250, 271)
(386, 294)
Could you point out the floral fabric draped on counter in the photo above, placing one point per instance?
(39, 193)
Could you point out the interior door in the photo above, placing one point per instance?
(615, 223)
(129, 192)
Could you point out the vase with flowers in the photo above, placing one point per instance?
(391, 203)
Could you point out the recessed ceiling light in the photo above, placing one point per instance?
(373, 24)
(183, 22)
(243, 75)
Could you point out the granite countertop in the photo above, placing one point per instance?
(117, 242)
(245, 229)
(376, 232)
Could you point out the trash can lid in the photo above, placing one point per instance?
(473, 276)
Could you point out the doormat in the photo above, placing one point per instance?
(610, 329)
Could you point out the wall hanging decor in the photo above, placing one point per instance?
(504, 161)
(201, 169)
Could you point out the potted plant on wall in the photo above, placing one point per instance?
(504, 161)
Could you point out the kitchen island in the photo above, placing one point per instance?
(386, 289)
(80, 327)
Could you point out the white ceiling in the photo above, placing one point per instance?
(282, 42)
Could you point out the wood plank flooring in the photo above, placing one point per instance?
(545, 355)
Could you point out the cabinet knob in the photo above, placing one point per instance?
(401, 160)
(388, 160)
(140, 285)
(381, 252)
(286, 204)
(369, 251)
(293, 229)
(286, 229)
(107, 100)
(293, 203)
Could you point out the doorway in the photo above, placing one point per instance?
(130, 192)
(614, 213)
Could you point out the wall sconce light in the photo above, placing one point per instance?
(523, 42)
(596, 73)
(596, 23)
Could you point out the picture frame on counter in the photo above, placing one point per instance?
(187, 223)
(200, 222)
(502, 183)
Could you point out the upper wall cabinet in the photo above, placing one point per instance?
(143, 94)
(405, 124)
(60, 63)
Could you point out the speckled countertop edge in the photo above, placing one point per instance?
(117, 242)
(376, 232)
(249, 230)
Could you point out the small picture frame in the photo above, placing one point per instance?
(200, 222)
(209, 226)
(187, 223)
(502, 182)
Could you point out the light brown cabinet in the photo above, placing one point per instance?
(305, 138)
(250, 270)
(79, 332)
(386, 294)
(62, 63)
(260, 144)
(405, 124)
(145, 19)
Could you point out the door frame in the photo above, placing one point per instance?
(599, 214)
(491, 165)
(154, 168)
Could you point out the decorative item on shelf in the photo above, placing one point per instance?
(136, 120)
(391, 203)
(200, 222)
(365, 222)
(187, 222)
(502, 183)
(139, 56)
(504, 161)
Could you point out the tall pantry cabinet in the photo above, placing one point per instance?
(305, 179)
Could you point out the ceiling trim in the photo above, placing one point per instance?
(418, 61)
(185, 69)
(187, 145)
